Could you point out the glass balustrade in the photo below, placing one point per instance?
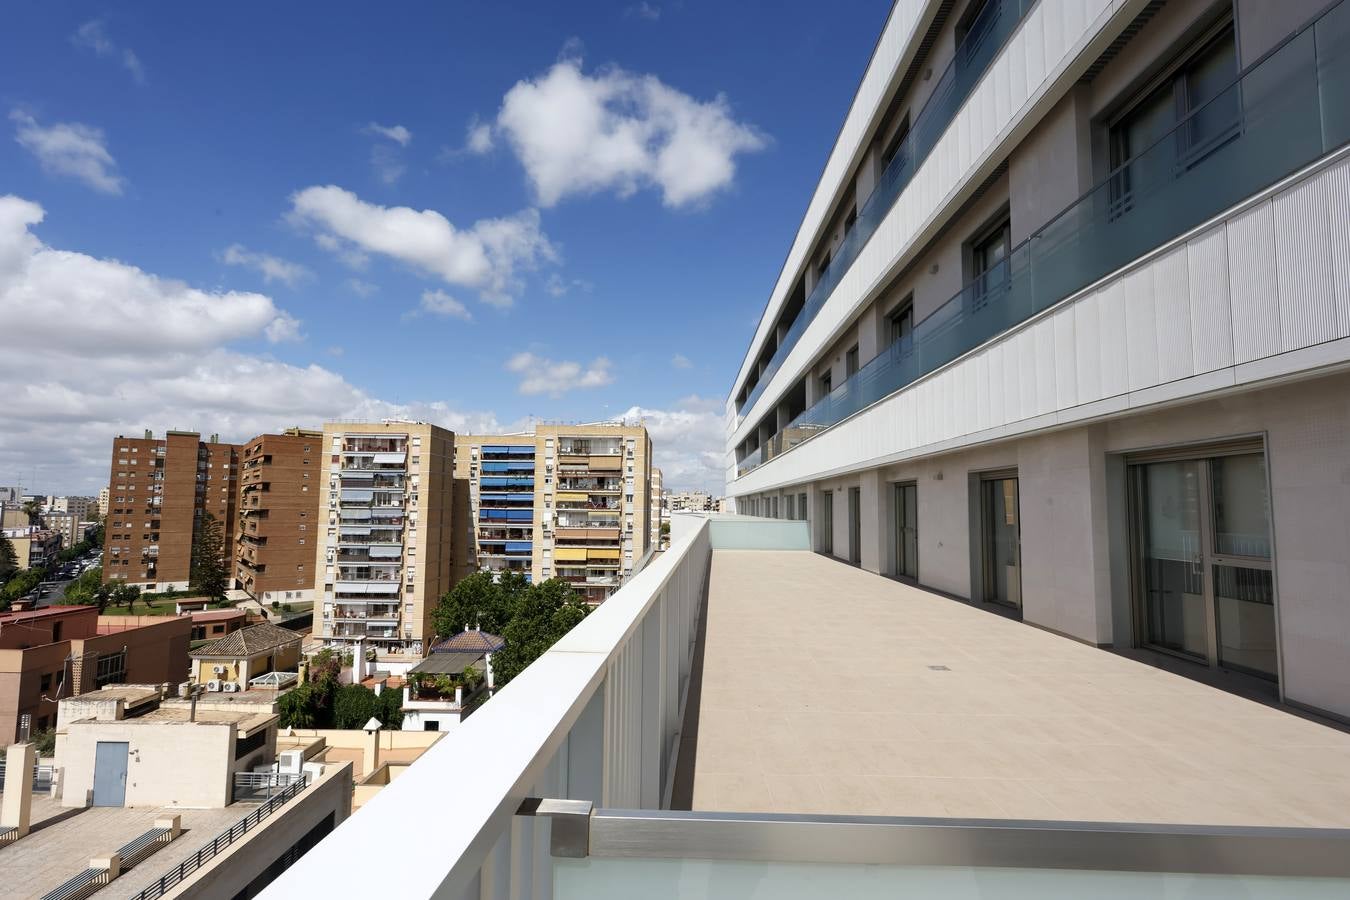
(1279, 115)
(986, 36)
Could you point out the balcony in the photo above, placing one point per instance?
(985, 37)
(1281, 114)
(955, 753)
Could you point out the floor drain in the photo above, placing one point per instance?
(939, 668)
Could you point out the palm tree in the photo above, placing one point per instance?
(33, 510)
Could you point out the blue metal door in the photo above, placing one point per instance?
(110, 773)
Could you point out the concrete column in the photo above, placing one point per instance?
(370, 756)
(1066, 565)
(17, 808)
(869, 334)
(875, 557)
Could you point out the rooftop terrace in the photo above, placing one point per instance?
(747, 719)
(827, 689)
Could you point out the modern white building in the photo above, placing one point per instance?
(1062, 338)
(1065, 330)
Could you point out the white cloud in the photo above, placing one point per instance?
(578, 134)
(387, 162)
(688, 442)
(485, 256)
(680, 361)
(272, 268)
(440, 303)
(396, 133)
(364, 288)
(69, 148)
(644, 10)
(480, 138)
(545, 376)
(92, 36)
(98, 348)
(557, 286)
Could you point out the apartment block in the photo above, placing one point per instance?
(386, 514)
(34, 546)
(83, 508)
(103, 494)
(656, 512)
(691, 501)
(1065, 331)
(62, 651)
(282, 486)
(566, 501)
(159, 491)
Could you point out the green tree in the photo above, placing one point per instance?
(89, 590)
(479, 601)
(547, 611)
(9, 560)
(391, 709)
(354, 705)
(298, 707)
(33, 510)
(124, 594)
(208, 574)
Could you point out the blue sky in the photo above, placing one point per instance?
(468, 212)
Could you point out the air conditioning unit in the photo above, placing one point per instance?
(229, 687)
(213, 684)
(218, 670)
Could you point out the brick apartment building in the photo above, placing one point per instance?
(159, 491)
(62, 651)
(281, 483)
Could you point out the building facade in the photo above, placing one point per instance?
(34, 547)
(281, 486)
(63, 651)
(691, 501)
(566, 501)
(103, 494)
(160, 490)
(385, 510)
(1065, 331)
(656, 510)
(83, 508)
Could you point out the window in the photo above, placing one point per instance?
(850, 220)
(851, 362)
(111, 669)
(826, 383)
(901, 321)
(46, 683)
(824, 265)
(1196, 87)
(989, 260)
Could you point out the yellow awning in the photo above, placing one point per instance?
(603, 553)
(578, 496)
(571, 554)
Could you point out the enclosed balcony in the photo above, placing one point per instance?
(719, 729)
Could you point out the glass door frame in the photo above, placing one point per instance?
(898, 490)
(987, 573)
(1209, 557)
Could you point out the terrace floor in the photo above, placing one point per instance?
(830, 690)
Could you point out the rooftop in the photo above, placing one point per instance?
(474, 641)
(248, 641)
(919, 705)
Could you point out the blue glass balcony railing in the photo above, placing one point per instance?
(1287, 110)
(988, 33)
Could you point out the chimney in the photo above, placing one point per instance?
(149, 435)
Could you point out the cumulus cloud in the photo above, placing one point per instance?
(486, 257)
(614, 130)
(71, 149)
(440, 303)
(680, 361)
(688, 442)
(644, 10)
(99, 347)
(272, 268)
(545, 376)
(557, 286)
(396, 133)
(93, 36)
(364, 288)
(480, 138)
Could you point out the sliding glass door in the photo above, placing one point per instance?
(907, 531)
(1002, 530)
(1204, 581)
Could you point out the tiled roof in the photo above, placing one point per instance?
(470, 642)
(247, 642)
(448, 663)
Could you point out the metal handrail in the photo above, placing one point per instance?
(169, 879)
